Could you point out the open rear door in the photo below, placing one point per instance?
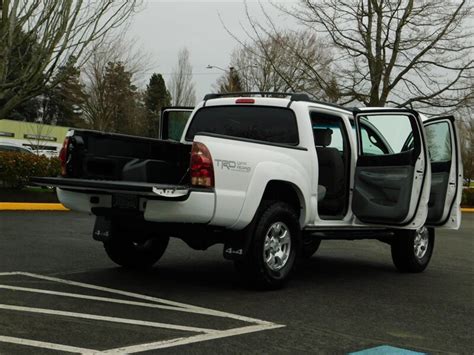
(392, 175)
(446, 173)
(172, 122)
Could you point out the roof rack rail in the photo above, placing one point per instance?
(291, 95)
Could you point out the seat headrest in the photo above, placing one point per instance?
(322, 137)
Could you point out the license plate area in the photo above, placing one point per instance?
(125, 201)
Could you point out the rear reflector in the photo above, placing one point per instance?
(63, 155)
(245, 101)
(202, 171)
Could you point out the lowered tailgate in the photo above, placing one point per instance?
(113, 186)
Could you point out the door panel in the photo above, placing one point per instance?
(390, 175)
(383, 191)
(443, 205)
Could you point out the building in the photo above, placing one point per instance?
(41, 138)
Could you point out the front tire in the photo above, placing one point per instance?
(136, 255)
(412, 249)
(275, 244)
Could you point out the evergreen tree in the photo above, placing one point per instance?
(63, 104)
(121, 97)
(230, 82)
(22, 51)
(156, 97)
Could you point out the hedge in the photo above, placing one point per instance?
(16, 168)
(468, 197)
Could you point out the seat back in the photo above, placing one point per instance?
(331, 173)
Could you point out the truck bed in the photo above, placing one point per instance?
(109, 157)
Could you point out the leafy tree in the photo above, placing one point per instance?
(58, 29)
(156, 97)
(62, 104)
(27, 111)
(229, 82)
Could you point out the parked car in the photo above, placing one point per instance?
(11, 147)
(269, 176)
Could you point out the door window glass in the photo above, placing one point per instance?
(439, 141)
(372, 144)
(174, 123)
(385, 134)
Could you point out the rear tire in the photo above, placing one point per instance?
(274, 246)
(412, 250)
(136, 255)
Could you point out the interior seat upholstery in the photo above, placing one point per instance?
(331, 173)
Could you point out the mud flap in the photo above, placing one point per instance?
(102, 229)
(236, 244)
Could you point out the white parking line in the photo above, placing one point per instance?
(102, 299)
(256, 325)
(202, 310)
(106, 318)
(44, 345)
(189, 340)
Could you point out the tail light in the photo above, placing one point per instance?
(63, 155)
(202, 171)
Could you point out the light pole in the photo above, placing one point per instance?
(221, 69)
(229, 84)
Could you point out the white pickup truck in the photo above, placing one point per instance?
(269, 175)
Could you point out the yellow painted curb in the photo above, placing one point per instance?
(25, 206)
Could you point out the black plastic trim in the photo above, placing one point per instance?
(292, 96)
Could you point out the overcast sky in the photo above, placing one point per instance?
(164, 27)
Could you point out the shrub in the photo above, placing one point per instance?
(16, 168)
(467, 197)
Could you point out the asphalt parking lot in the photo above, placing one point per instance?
(60, 293)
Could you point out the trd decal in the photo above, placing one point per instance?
(233, 165)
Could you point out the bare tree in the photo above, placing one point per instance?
(399, 52)
(37, 36)
(38, 136)
(98, 110)
(180, 85)
(285, 61)
(465, 122)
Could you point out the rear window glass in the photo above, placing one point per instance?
(268, 124)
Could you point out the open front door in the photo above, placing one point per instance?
(446, 173)
(392, 175)
(172, 122)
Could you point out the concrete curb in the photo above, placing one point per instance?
(26, 206)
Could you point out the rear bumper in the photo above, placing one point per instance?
(197, 207)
